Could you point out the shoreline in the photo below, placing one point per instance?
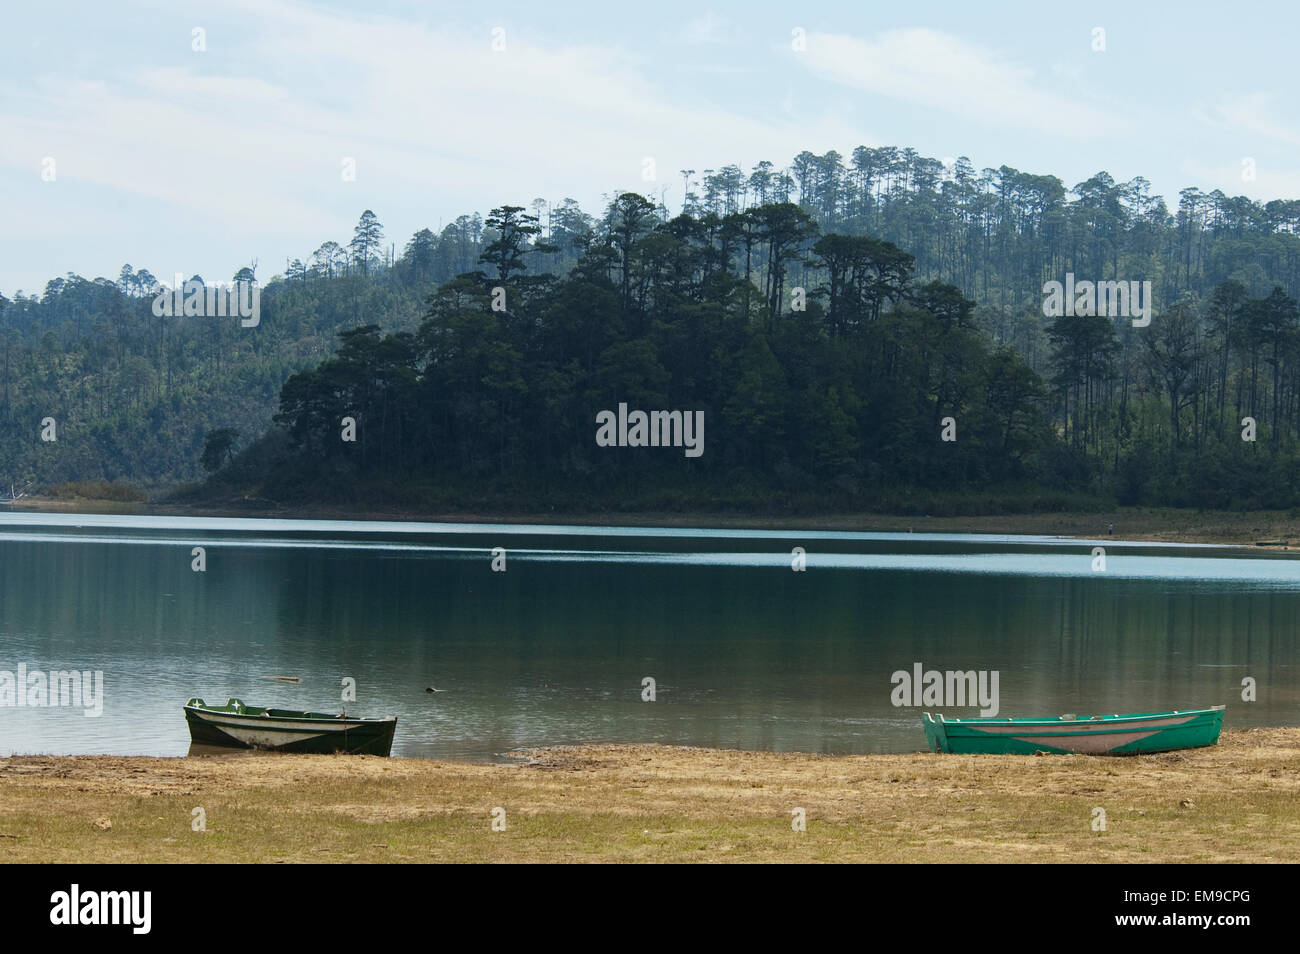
(1233, 802)
(1277, 530)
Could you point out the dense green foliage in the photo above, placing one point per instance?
(503, 401)
(823, 317)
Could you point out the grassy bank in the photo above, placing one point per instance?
(1234, 802)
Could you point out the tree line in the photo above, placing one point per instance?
(827, 317)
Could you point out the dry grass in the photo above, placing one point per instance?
(1235, 802)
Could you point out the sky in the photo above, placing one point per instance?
(198, 137)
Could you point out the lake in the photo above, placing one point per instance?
(743, 650)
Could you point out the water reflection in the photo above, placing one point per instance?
(744, 651)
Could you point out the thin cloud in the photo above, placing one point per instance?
(946, 73)
(439, 106)
(708, 29)
(1251, 113)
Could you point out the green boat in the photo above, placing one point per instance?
(1086, 735)
(240, 726)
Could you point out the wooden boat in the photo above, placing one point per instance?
(1088, 735)
(287, 730)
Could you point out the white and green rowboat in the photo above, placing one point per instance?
(1087, 735)
(287, 730)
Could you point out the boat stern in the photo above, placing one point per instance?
(934, 732)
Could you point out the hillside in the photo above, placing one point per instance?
(826, 319)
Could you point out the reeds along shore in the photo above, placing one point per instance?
(1236, 801)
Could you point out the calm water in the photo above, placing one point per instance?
(745, 652)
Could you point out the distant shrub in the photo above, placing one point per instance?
(119, 491)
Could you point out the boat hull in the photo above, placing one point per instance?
(235, 725)
(1086, 735)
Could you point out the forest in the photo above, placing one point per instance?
(861, 332)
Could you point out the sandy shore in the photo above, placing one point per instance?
(1234, 802)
